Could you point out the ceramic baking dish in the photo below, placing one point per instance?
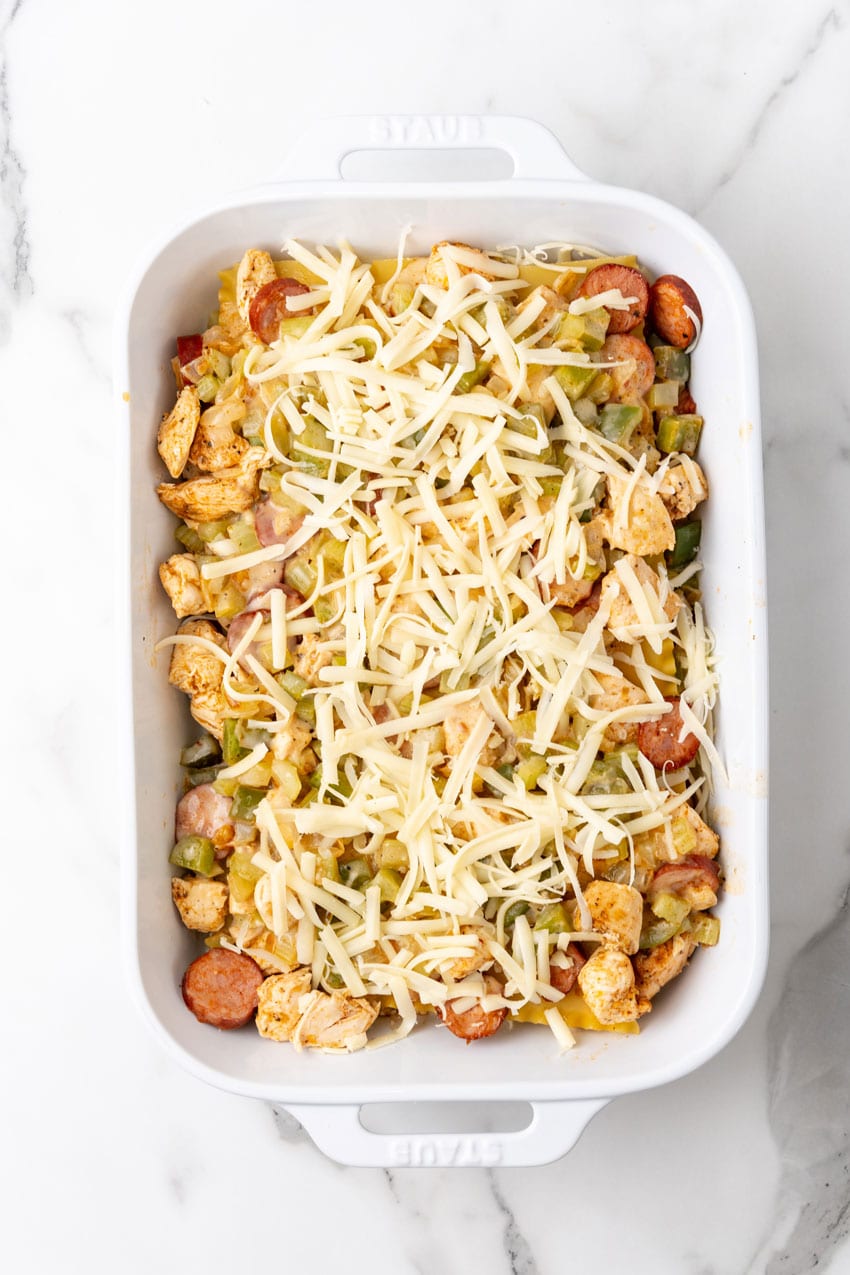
(547, 198)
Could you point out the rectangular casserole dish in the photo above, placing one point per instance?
(546, 199)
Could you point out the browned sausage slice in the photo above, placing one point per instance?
(635, 372)
(630, 282)
(475, 1023)
(658, 740)
(694, 871)
(668, 298)
(687, 404)
(274, 524)
(220, 988)
(201, 812)
(563, 979)
(269, 305)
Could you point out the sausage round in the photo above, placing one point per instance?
(269, 305)
(201, 812)
(658, 740)
(636, 373)
(687, 404)
(563, 979)
(475, 1023)
(693, 870)
(668, 297)
(274, 524)
(630, 282)
(189, 348)
(220, 988)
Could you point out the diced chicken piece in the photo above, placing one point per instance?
(617, 692)
(255, 270)
(623, 614)
(682, 488)
(174, 438)
(228, 334)
(459, 724)
(655, 969)
(194, 669)
(209, 709)
(212, 496)
(202, 904)
(278, 1012)
(436, 271)
(479, 956)
(310, 659)
(607, 983)
(639, 523)
(335, 1021)
(181, 579)
(553, 305)
(293, 744)
(617, 912)
(653, 847)
(572, 592)
(216, 445)
(708, 842)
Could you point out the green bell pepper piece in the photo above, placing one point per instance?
(196, 854)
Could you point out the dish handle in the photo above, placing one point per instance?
(536, 152)
(554, 1129)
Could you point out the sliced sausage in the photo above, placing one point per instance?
(201, 812)
(189, 348)
(687, 404)
(668, 298)
(563, 978)
(694, 871)
(239, 625)
(220, 988)
(261, 580)
(273, 524)
(635, 373)
(659, 742)
(269, 306)
(630, 282)
(475, 1023)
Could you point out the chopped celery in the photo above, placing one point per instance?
(401, 297)
(270, 479)
(327, 866)
(226, 787)
(388, 881)
(663, 396)
(208, 387)
(244, 535)
(617, 421)
(245, 801)
(585, 410)
(296, 325)
(574, 380)
(259, 775)
(516, 909)
(469, 380)
(601, 388)
(231, 749)
(293, 684)
(554, 918)
(204, 752)
(300, 575)
(393, 854)
(524, 728)
(671, 363)
(355, 873)
(684, 837)
(705, 929)
(242, 876)
(314, 437)
(688, 535)
(334, 980)
(531, 769)
(209, 531)
(189, 539)
(506, 770)
(219, 363)
(679, 434)
(670, 907)
(325, 610)
(229, 602)
(368, 346)
(332, 554)
(604, 778)
(551, 486)
(287, 779)
(197, 854)
(585, 330)
(656, 932)
(305, 710)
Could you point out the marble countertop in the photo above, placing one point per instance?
(114, 120)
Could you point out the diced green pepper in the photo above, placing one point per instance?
(355, 873)
(524, 728)
(196, 854)
(604, 778)
(554, 918)
(189, 539)
(671, 907)
(203, 752)
(671, 363)
(388, 881)
(655, 932)
(688, 536)
(617, 421)
(245, 802)
(469, 380)
(574, 380)
(679, 434)
(231, 749)
(663, 396)
(242, 876)
(368, 346)
(205, 775)
(293, 684)
(530, 770)
(334, 980)
(585, 330)
(516, 909)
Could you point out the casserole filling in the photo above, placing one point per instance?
(438, 584)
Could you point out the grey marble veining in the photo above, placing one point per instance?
(116, 119)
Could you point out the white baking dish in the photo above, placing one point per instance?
(546, 199)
